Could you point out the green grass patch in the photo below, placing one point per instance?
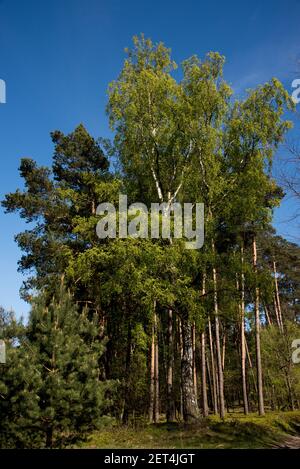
(235, 431)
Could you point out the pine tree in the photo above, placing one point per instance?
(51, 389)
(20, 381)
(56, 200)
(68, 349)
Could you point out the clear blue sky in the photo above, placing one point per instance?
(57, 58)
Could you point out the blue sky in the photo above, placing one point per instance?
(57, 58)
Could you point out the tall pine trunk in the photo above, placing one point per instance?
(152, 384)
(223, 351)
(203, 375)
(181, 356)
(268, 318)
(261, 409)
(218, 349)
(203, 363)
(194, 359)
(243, 345)
(251, 366)
(213, 369)
(170, 396)
(156, 370)
(276, 312)
(277, 298)
(127, 402)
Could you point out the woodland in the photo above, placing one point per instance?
(140, 332)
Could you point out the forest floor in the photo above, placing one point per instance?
(275, 430)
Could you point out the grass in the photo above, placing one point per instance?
(236, 431)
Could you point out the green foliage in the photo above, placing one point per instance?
(51, 393)
(57, 200)
(281, 373)
(184, 140)
(19, 382)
